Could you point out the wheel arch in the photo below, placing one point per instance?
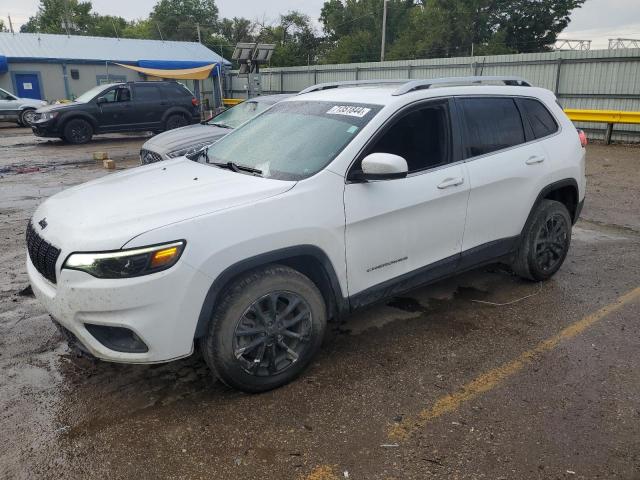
(564, 191)
(309, 260)
(176, 111)
(75, 116)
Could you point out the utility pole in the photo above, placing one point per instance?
(199, 37)
(384, 29)
(10, 24)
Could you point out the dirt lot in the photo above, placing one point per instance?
(436, 384)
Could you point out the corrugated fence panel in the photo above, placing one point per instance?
(591, 80)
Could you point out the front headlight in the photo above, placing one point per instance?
(127, 263)
(47, 116)
(189, 150)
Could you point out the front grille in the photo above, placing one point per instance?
(43, 255)
(147, 157)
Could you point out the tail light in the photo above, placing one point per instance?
(195, 102)
(583, 138)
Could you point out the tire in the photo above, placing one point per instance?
(77, 131)
(544, 243)
(27, 116)
(175, 121)
(239, 344)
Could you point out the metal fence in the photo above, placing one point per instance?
(589, 80)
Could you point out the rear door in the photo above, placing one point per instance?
(150, 105)
(506, 168)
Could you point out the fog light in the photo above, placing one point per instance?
(119, 339)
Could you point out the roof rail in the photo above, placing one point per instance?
(351, 83)
(424, 84)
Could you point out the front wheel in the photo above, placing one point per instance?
(545, 242)
(27, 117)
(78, 131)
(266, 330)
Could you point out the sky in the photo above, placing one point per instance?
(597, 20)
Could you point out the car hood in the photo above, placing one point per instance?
(185, 137)
(58, 107)
(31, 102)
(106, 213)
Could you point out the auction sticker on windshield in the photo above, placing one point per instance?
(348, 110)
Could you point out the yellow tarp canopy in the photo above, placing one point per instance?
(199, 73)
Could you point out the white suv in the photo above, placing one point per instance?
(341, 196)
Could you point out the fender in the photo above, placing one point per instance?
(567, 182)
(291, 256)
(66, 116)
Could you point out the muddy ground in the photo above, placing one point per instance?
(572, 410)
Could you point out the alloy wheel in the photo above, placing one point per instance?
(551, 242)
(273, 333)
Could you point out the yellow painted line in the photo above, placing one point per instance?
(495, 377)
(322, 472)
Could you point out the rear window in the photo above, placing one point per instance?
(541, 121)
(492, 124)
(174, 90)
(147, 93)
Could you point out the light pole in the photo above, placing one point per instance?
(384, 29)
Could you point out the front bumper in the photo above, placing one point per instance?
(161, 309)
(45, 129)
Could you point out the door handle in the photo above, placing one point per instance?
(451, 182)
(534, 159)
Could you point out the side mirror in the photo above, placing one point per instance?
(384, 166)
(101, 100)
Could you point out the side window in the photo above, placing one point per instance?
(541, 121)
(123, 94)
(491, 124)
(422, 137)
(109, 96)
(147, 93)
(173, 91)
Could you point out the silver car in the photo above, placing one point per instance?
(16, 109)
(190, 139)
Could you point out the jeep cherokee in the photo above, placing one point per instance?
(331, 200)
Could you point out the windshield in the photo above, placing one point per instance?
(90, 94)
(236, 116)
(293, 140)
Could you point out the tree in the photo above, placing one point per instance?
(178, 19)
(60, 16)
(2, 27)
(295, 40)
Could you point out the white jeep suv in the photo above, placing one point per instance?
(331, 200)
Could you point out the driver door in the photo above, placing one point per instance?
(115, 109)
(401, 233)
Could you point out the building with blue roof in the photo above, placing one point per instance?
(54, 67)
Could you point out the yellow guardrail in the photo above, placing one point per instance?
(232, 102)
(610, 117)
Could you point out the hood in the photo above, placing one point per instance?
(58, 107)
(185, 137)
(106, 213)
(32, 102)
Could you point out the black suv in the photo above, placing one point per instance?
(121, 107)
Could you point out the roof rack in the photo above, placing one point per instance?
(424, 84)
(412, 85)
(352, 83)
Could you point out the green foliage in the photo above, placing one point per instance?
(2, 27)
(351, 28)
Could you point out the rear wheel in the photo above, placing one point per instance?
(27, 117)
(175, 121)
(78, 131)
(545, 242)
(266, 330)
